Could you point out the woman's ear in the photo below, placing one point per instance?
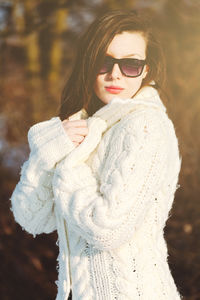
(145, 71)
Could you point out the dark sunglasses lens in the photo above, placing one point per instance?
(132, 69)
(106, 66)
(103, 69)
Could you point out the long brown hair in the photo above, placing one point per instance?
(78, 92)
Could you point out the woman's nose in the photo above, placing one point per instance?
(116, 72)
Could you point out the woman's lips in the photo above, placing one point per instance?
(113, 89)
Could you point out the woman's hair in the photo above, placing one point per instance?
(78, 92)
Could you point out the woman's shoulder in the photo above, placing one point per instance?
(145, 114)
(147, 121)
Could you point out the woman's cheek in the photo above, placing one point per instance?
(134, 86)
(99, 87)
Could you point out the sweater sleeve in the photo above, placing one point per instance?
(32, 199)
(106, 211)
(49, 142)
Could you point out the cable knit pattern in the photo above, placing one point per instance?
(109, 199)
(123, 181)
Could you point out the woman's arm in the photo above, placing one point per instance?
(32, 199)
(107, 212)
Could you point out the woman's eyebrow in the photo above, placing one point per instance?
(128, 55)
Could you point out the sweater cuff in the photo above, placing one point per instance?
(49, 142)
(96, 127)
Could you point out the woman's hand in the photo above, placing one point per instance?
(76, 130)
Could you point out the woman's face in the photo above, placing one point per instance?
(114, 83)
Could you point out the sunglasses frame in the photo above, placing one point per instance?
(120, 61)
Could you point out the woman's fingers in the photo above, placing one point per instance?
(77, 138)
(76, 144)
(75, 123)
(76, 130)
(77, 127)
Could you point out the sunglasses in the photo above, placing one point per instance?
(130, 67)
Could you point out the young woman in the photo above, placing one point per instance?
(104, 172)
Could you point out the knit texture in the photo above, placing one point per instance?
(109, 199)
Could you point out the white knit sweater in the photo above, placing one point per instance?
(109, 199)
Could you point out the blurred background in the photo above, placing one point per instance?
(38, 40)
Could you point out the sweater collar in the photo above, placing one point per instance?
(107, 116)
(117, 108)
